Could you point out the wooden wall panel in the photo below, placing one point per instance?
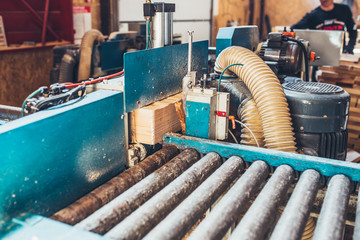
(22, 72)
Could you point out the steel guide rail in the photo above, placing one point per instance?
(326, 167)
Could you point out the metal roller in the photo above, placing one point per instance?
(296, 213)
(153, 211)
(228, 210)
(102, 195)
(357, 220)
(262, 213)
(331, 222)
(184, 216)
(109, 215)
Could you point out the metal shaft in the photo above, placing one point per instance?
(184, 216)
(357, 220)
(190, 50)
(229, 208)
(140, 222)
(331, 222)
(112, 213)
(94, 200)
(296, 213)
(9, 112)
(262, 212)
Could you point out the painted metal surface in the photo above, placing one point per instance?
(37, 227)
(154, 74)
(244, 36)
(51, 158)
(327, 167)
(197, 119)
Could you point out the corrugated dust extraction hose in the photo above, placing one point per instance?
(267, 93)
(86, 48)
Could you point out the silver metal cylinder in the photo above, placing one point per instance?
(141, 221)
(184, 216)
(190, 51)
(357, 220)
(293, 220)
(226, 212)
(331, 222)
(262, 213)
(162, 29)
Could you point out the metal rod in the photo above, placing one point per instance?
(9, 112)
(46, 13)
(357, 220)
(296, 213)
(331, 222)
(39, 19)
(190, 50)
(94, 200)
(109, 215)
(153, 211)
(229, 208)
(184, 216)
(262, 212)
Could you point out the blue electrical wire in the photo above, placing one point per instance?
(222, 73)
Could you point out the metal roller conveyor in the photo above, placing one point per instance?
(173, 196)
(293, 220)
(108, 216)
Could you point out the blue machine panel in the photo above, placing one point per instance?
(299, 162)
(244, 36)
(53, 157)
(197, 119)
(154, 74)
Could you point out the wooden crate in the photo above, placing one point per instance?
(148, 124)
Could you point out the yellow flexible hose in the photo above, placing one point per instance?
(268, 95)
(249, 115)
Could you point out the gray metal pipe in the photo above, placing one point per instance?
(262, 213)
(356, 235)
(229, 208)
(112, 213)
(296, 213)
(9, 112)
(184, 216)
(102, 195)
(331, 222)
(153, 211)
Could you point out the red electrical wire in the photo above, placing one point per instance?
(72, 85)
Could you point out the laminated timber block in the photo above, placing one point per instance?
(148, 124)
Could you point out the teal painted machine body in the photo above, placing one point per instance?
(327, 167)
(244, 36)
(51, 158)
(197, 119)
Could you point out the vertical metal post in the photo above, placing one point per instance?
(262, 212)
(190, 51)
(293, 220)
(331, 222)
(184, 216)
(228, 210)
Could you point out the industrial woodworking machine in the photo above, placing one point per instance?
(260, 157)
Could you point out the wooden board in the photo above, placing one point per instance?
(148, 124)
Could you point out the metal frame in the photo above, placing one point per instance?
(327, 167)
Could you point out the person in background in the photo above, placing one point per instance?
(331, 16)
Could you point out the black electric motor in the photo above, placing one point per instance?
(319, 113)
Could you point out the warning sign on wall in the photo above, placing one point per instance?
(82, 21)
(3, 42)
